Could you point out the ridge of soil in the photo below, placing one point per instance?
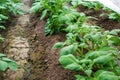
(44, 60)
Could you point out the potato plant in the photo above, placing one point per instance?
(89, 4)
(59, 14)
(7, 63)
(89, 49)
(111, 14)
(97, 6)
(8, 7)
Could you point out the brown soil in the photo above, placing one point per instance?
(44, 60)
(109, 24)
(103, 22)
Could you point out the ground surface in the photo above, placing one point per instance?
(25, 42)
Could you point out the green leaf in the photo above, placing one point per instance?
(3, 16)
(12, 65)
(2, 27)
(117, 70)
(44, 13)
(71, 49)
(104, 59)
(115, 40)
(6, 59)
(70, 62)
(68, 15)
(79, 77)
(71, 28)
(2, 7)
(36, 7)
(106, 75)
(112, 16)
(101, 52)
(88, 72)
(58, 45)
(115, 31)
(83, 45)
(94, 54)
(2, 55)
(85, 61)
(3, 65)
(107, 48)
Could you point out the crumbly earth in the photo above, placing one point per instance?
(26, 43)
(44, 60)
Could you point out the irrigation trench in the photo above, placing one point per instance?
(16, 43)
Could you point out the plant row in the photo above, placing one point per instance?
(7, 8)
(88, 49)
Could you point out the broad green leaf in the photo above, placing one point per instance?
(68, 15)
(115, 40)
(117, 70)
(88, 72)
(74, 67)
(3, 16)
(107, 48)
(85, 61)
(83, 45)
(36, 7)
(44, 13)
(106, 75)
(72, 28)
(3, 65)
(115, 31)
(112, 16)
(71, 49)
(104, 59)
(12, 65)
(21, 12)
(2, 27)
(70, 62)
(79, 77)
(2, 7)
(58, 45)
(94, 54)
(2, 55)
(102, 51)
(6, 59)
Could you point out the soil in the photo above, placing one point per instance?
(44, 61)
(103, 22)
(32, 49)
